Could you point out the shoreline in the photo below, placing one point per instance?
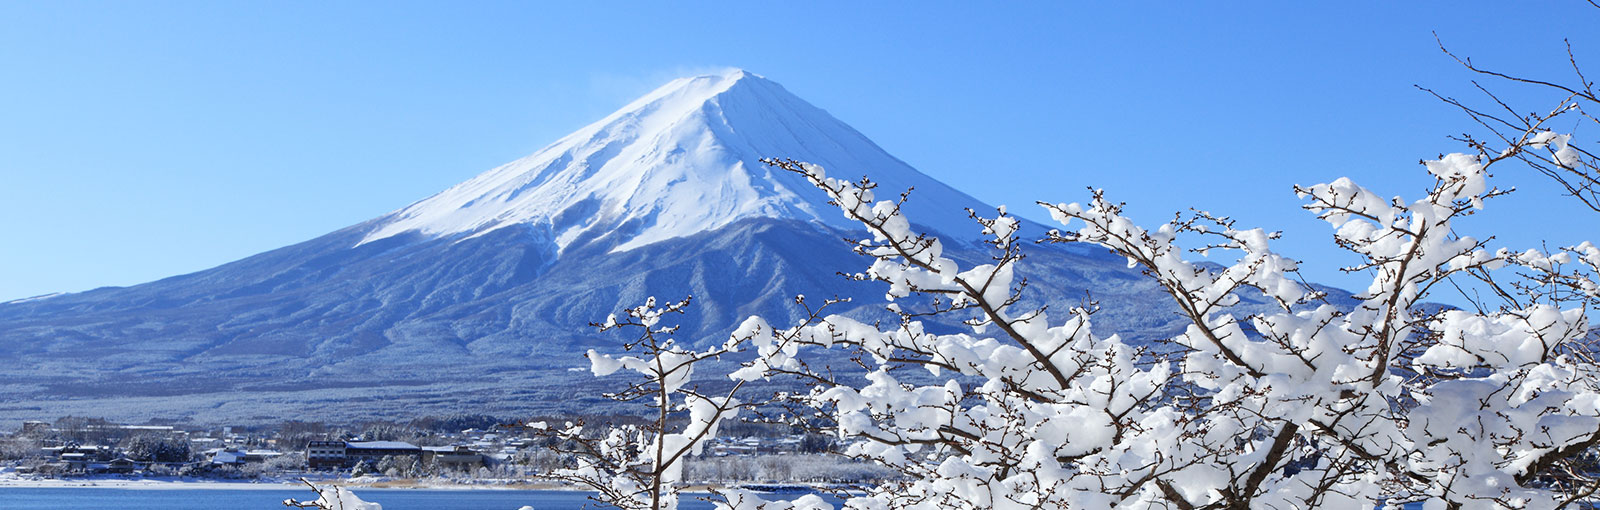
(201, 484)
(145, 484)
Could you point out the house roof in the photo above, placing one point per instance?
(381, 445)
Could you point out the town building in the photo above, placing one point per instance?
(345, 454)
(373, 451)
(120, 466)
(235, 457)
(34, 428)
(325, 454)
(459, 457)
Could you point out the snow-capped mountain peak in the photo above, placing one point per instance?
(683, 159)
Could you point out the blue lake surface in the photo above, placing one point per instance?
(392, 499)
(212, 499)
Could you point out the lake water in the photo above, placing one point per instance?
(212, 499)
(392, 499)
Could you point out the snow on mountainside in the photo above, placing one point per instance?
(680, 160)
(478, 299)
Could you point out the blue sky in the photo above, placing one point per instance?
(140, 140)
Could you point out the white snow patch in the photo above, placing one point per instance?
(41, 297)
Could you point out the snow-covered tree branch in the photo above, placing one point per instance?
(1532, 136)
(641, 466)
(1308, 406)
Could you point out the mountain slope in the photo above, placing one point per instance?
(477, 299)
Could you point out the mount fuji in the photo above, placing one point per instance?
(477, 299)
(681, 160)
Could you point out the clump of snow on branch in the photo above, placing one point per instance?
(332, 497)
